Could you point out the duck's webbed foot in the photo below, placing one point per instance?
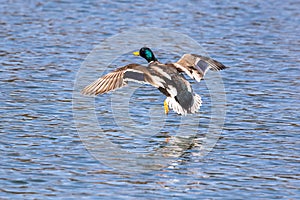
(166, 107)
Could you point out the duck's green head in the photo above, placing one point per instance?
(146, 53)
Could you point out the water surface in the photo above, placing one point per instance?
(43, 45)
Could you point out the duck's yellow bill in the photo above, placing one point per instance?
(136, 53)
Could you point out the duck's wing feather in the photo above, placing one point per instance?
(196, 66)
(117, 79)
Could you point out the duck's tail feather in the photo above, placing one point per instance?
(195, 106)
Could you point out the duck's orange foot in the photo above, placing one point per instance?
(166, 107)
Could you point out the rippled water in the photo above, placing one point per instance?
(43, 45)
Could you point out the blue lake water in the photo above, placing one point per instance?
(42, 48)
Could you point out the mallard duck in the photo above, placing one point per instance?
(167, 78)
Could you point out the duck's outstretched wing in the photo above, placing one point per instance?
(196, 66)
(117, 79)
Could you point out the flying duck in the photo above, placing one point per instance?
(167, 78)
